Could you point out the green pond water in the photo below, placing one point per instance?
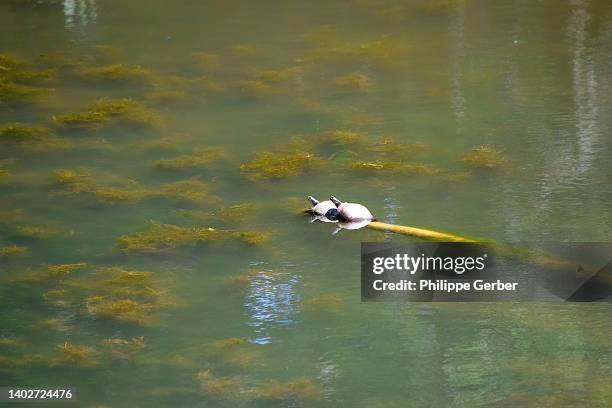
(388, 101)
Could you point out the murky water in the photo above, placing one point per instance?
(388, 101)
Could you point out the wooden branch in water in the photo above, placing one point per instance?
(420, 232)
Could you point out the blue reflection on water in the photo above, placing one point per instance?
(271, 300)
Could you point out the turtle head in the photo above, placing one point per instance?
(335, 201)
(312, 200)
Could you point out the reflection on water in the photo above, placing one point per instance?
(271, 300)
(152, 246)
(78, 15)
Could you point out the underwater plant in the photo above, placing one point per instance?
(354, 81)
(205, 59)
(287, 161)
(31, 231)
(389, 167)
(76, 355)
(106, 111)
(324, 302)
(344, 138)
(118, 73)
(219, 386)
(12, 250)
(186, 190)
(164, 237)
(19, 131)
(300, 390)
(485, 157)
(201, 158)
(389, 148)
(229, 343)
(12, 94)
(67, 176)
(123, 349)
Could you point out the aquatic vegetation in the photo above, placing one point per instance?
(30, 231)
(12, 94)
(168, 96)
(106, 111)
(12, 250)
(51, 273)
(58, 60)
(107, 51)
(122, 309)
(300, 390)
(19, 131)
(8, 341)
(343, 138)
(76, 355)
(74, 182)
(274, 76)
(244, 50)
(219, 386)
(384, 52)
(205, 59)
(118, 73)
(485, 157)
(255, 87)
(225, 214)
(451, 177)
(65, 269)
(67, 176)
(163, 237)
(187, 190)
(389, 167)
(123, 349)
(201, 158)
(354, 81)
(110, 194)
(241, 358)
(389, 148)
(290, 160)
(16, 70)
(229, 343)
(324, 302)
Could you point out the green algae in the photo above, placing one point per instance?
(390, 148)
(219, 386)
(164, 237)
(291, 160)
(106, 111)
(69, 354)
(353, 81)
(298, 390)
(205, 59)
(12, 250)
(343, 138)
(389, 167)
(186, 190)
(231, 214)
(16, 70)
(118, 73)
(329, 301)
(112, 292)
(68, 176)
(33, 231)
(201, 158)
(485, 157)
(20, 131)
(124, 349)
(12, 94)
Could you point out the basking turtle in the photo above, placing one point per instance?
(352, 212)
(325, 211)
